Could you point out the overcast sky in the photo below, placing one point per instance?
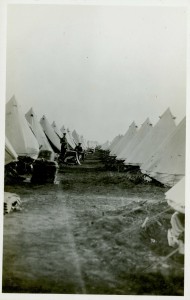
(95, 68)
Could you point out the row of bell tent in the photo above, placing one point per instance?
(158, 150)
(10, 153)
(26, 136)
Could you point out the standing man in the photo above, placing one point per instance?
(64, 145)
(79, 151)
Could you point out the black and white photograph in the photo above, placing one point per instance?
(94, 160)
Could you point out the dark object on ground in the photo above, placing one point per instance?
(11, 175)
(70, 157)
(24, 165)
(91, 150)
(80, 152)
(44, 171)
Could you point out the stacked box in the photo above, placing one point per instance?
(46, 154)
(44, 171)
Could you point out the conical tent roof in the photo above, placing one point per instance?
(70, 138)
(57, 131)
(176, 196)
(63, 129)
(37, 130)
(51, 135)
(132, 130)
(83, 142)
(115, 141)
(121, 154)
(18, 131)
(76, 136)
(91, 144)
(153, 139)
(10, 153)
(167, 164)
(105, 146)
(138, 137)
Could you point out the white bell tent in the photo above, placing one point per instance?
(176, 196)
(138, 137)
(18, 132)
(51, 135)
(10, 153)
(76, 137)
(115, 141)
(57, 131)
(105, 146)
(153, 139)
(63, 129)
(131, 132)
(83, 142)
(37, 130)
(70, 139)
(167, 164)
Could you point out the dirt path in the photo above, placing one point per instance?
(71, 252)
(82, 236)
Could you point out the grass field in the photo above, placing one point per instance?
(84, 236)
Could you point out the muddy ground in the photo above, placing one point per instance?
(84, 236)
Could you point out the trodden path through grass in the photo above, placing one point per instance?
(78, 237)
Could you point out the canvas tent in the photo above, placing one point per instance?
(153, 139)
(137, 138)
(132, 130)
(76, 137)
(37, 130)
(57, 131)
(176, 196)
(10, 154)
(105, 146)
(63, 129)
(115, 141)
(167, 164)
(18, 131)
(92, 144)
(51, 135)
(70, 139)
(83, 142)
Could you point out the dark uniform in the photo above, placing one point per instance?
(64, 145)
(79, 151)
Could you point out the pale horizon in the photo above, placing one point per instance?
(96, 69)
